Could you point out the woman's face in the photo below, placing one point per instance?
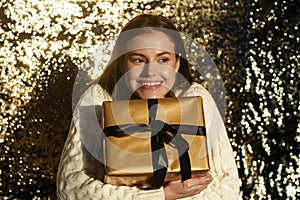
(151, 65)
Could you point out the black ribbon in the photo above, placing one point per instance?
(161, 133)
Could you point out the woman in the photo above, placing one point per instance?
(148, 61)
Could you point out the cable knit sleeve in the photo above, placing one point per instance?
(76, 180)
(225, 184)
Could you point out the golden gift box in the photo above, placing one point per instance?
(151, 142)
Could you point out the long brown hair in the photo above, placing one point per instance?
(115, 69)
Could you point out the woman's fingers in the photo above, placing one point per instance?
(190, 187)
(196, 185)
(202, 180)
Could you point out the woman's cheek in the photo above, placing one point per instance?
(131, 76)
(168, 74)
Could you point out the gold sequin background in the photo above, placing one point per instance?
(255, 44)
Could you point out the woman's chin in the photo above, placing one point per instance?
(150, 94)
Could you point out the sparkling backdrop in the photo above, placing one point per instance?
(44, 44)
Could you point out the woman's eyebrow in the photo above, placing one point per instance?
(136, 54)
(143, 55)
(163, 53)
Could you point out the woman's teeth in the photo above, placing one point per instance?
(151, 83)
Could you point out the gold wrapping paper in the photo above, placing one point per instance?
(128, 159)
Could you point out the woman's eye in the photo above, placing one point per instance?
(162, 60)
(137, 60)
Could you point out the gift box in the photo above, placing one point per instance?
(151, 142)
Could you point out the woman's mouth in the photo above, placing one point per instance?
(151, 84)
(151, 89)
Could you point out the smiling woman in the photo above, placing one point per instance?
(151, 71)
(148, 62)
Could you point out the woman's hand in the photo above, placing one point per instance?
(190, 187)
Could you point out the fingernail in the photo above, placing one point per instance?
(208, 178)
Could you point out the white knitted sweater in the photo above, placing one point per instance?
(76, 180)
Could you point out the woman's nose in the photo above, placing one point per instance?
(150, 70)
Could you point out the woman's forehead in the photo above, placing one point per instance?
(150, 52)
(151, 40)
